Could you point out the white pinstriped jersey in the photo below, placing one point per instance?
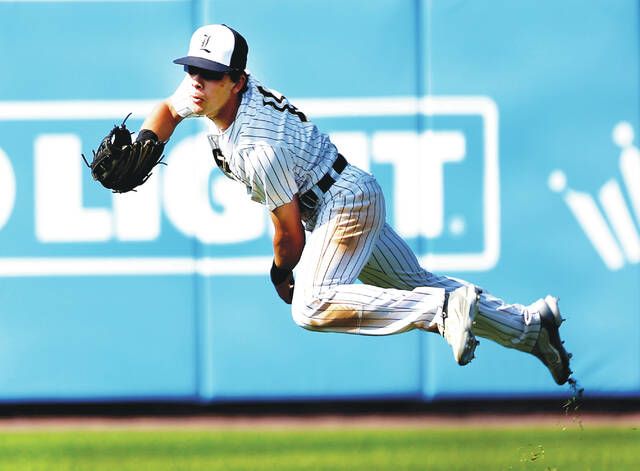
(271, 147)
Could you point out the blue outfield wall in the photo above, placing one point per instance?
(505, 135)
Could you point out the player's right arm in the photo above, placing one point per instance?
(163, 120)
(288, 244)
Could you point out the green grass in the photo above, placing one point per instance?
(550, 448)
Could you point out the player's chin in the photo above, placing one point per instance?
(197, 105)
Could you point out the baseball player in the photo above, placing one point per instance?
(329, 219)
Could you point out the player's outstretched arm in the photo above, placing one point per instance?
(163, 120)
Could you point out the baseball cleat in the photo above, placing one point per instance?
(457, 321)
(549, 348)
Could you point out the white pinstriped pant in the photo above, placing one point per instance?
(349, 240)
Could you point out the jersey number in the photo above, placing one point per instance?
(277, 102)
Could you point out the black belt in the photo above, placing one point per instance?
(309, 199)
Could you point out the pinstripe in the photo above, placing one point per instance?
(385, 261)
(362, 255)
(328, 259)
(393, 264)
(408, 266)
(336, 303)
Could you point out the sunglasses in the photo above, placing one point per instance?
(204, 73)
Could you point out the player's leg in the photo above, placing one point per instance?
(511, 325)
(346, 231)
(532, 329)
(394, 265)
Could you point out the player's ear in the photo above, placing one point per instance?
(240, 84)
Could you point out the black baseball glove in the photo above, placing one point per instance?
(122, 165)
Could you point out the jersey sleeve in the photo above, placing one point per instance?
(270, 175)
(180, 99)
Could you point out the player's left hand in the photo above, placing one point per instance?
(285, 289)
(120, 164)
(283, 281)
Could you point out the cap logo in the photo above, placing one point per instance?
(204, 43)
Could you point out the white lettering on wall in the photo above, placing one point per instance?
(59, 213)
(137, 214)
(418, 176)
(204, 205)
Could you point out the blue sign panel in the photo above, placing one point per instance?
(505, 137)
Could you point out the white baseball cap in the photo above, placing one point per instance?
(216, 47)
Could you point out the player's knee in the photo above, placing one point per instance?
(316, 313)
(306, 309)
(302, 310)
